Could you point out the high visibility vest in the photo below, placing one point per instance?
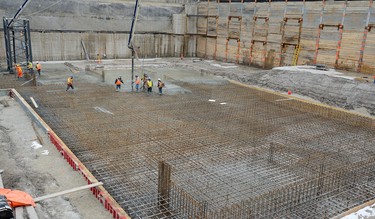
(70, 80)
(30, 65)
(118, 82)
(149, 83)
(19, 71)
(38, 67)
(138, 81)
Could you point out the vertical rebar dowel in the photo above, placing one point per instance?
(164, 184)
(320, 180)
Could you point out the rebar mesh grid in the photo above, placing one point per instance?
(249, 154)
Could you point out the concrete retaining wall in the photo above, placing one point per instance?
(68, 46)
(222, 31)
(60, 27)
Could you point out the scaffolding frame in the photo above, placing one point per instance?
(17, 42)
(339, 26)
(265, 40)
(231, 37)
(368, 27)
(284, 43)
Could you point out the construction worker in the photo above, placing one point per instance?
(30, 67)
(19, 71)
(118, 83)
(137, 83)
(149, 85)
(144, 81)
(38, 67)
(70, 83)
(160, 86)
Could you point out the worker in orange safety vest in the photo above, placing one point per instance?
(137, 83)
(19, 71)
(118, 83)
(38, 67)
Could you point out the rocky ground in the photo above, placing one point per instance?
(348, 90)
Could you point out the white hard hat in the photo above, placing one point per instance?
(159, 79)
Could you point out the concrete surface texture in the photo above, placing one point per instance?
(32, 164)
(59, 28)
(219, 138)
(329, 32)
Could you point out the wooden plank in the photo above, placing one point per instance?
(18, 213)
(31, 212)
(67, 191)
(35, 104)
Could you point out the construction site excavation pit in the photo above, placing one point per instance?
(210, 148)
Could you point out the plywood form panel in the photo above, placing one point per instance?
(333, 13)
(248, 10)
(232, 51)
(246, 28)
(222, 30)
(212, 8)
(202, 25)
(350, 50)
(355, 20)
(244, 54)
(211, 43)
(258, 54)
(223, 10)
(236, 9)
(234, 29)
(201, 46)
(294, 9)
(369, 54)
(203, 8)
(262, 9)
(221, 48)
(212, 26)
(288, 53)
(274, 39)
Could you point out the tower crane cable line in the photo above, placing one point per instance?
(37, 12)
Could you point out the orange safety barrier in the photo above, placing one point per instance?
(99, 192)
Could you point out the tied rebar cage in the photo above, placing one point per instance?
(17, 42)
(250, 154)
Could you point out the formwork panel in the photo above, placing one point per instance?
(369, 53)
(350, 50)
(211, 44)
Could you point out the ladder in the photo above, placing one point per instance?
(295, 55)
